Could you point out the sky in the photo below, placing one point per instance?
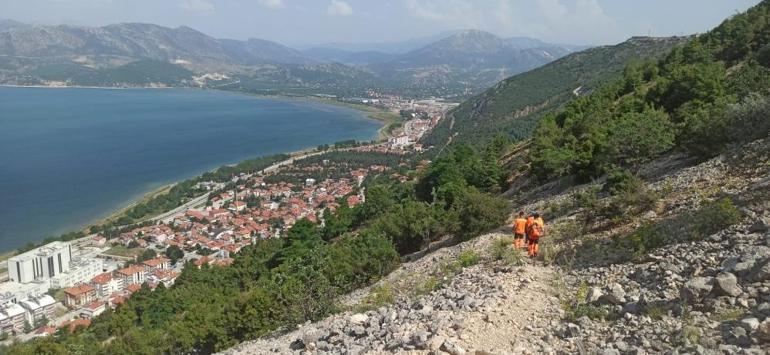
(302, 22)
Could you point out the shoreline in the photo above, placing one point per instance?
(365, 112)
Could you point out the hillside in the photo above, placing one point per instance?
(702, 288)
(513, 106)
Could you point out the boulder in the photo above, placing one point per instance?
(763, 331)
(615, 294)
(726, 284)
(761, 271)
(593, 294)
(750, 324)
(696, 289)
(452, 348)
(760, 226)
(359, 319)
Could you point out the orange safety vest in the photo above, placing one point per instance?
(530, 222)
(538, 228)
(520, 226)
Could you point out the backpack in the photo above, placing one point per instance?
(535, 231)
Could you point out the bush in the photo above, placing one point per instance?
(478, 212)
(709, 219)
(468, 257)
(749, 119)
(629, 194)
(502, 250)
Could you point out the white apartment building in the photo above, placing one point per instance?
(38, 307)
(81, 270)
(12, 317)
(42, 263)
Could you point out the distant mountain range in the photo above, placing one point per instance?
(459, 63)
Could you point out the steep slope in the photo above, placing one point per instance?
(468, 61)
(691, 293)
(513, 106)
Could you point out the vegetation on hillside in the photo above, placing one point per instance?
(699, 98)
(514, 106)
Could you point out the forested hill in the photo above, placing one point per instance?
(700, 98)
(514, 105)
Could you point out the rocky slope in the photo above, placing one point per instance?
(706, 295)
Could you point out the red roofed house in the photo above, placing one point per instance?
(155, 264)
(134, 274)
(92, 309)
(237, 206)
(132, 288)
(106, 284)
(79, 295)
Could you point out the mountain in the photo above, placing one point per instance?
(513, 105)
(134, 54)
(469, 61)
(456, 65)
(7, 25)
(258, 51)
(393, 48)
(361, 58)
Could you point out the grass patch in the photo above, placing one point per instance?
(576, 307)
(502, 250)
(468, 257)
(728, 315)
(380, 295)
(655, 312)
(710, 218)
(124, 251)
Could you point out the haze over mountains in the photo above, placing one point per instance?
(458, 63)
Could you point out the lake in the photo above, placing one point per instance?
(69, 157)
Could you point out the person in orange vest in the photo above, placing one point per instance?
(528, 225)
(535, 232)
(519, 230)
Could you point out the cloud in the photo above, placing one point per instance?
(271, 4)
(197, 6)
(339, 8)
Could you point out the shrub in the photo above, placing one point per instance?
(502, 250)
(478, 212)
(710, 218)
(749, 120)
(468, 257)
(629, 195)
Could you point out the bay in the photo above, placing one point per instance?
(71, 156)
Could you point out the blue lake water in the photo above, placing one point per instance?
(71, 156)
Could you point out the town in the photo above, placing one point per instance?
(64, 284)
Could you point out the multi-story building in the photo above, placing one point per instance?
(81, 271)
(160, 263)
(38, 308)
(106, 284)
(134, 274)
(42, 263)
(79, 295)
(12, 317)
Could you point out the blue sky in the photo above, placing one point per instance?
(319, 21)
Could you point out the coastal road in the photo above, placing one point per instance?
(169, 216)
